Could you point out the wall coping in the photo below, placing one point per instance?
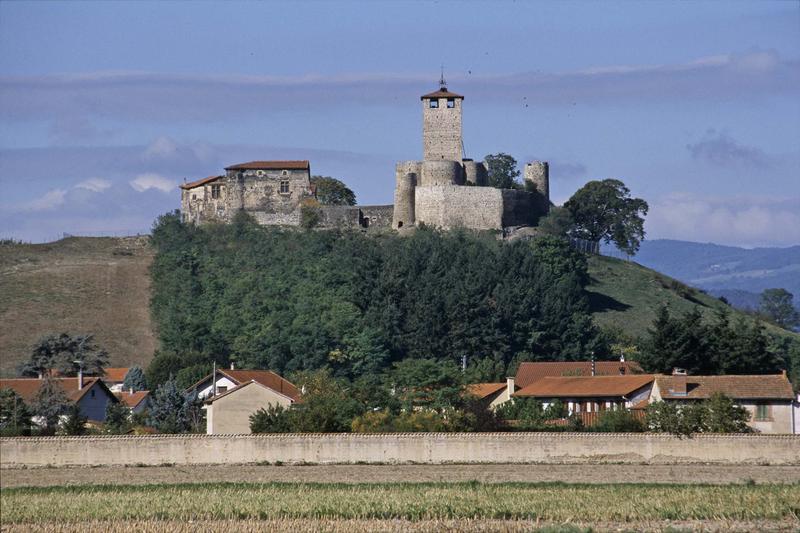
(416, 436)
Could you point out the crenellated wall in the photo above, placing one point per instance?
(431, 448)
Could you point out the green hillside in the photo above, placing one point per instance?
(625, 295)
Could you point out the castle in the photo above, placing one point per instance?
(444, 189)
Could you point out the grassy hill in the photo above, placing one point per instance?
(626, 295)
(77, 285)
(102, 286)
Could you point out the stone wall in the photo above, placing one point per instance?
(379, 216)
(432, 448)
(453, 206)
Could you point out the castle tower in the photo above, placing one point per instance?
(441, 125)
(538, 173)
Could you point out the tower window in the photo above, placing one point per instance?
(451, 102)
(284, 186)
(433, 103)
(215, 191)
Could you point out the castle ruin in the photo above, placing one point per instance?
(444, 189)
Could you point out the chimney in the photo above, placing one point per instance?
(131, 390)
(594, 367)
(678, 382)
(80, 377)
(233, 365)
(622, 364)
(509, 387)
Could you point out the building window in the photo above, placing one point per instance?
(221, 389)
(285, 173)
(762, 411)
(92, 393)
(434, 103)
(215, 191)
(451, 102)
(284, 186)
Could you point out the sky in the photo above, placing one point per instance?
(105, 108)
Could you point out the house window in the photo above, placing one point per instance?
(433, 103)
(284, 186)
(215, 191)
(762, 411)
(92, 393)
(221, 389)
(451, 102)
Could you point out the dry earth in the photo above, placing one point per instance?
(712, 474)
(77, 285)
(305, 525)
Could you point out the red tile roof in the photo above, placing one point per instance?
(587, 387)
(482, 390)
(441, 93)
(27, 388)
(132, 400)
(763, 387)
(271, 165)
(530, 372)
(114, 375)
(198, 183)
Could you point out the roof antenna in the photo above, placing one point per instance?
(442, 83)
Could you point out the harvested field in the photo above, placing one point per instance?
(302, 525)
(401, 501)
(533, 473)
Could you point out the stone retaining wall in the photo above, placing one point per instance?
(433, 448)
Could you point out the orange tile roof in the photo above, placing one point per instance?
(763, 387)
(271, 165)
(482, 390)
(132, 400)
(529, 372)
(590, 386)
(441, 93)
(198, 183)
(114, 375)
(27, 388)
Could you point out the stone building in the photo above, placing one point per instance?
(446, 190)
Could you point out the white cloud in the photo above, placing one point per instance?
(161, 147)
(94, 184)
(49, 200)
(143, 182)
(742, 221)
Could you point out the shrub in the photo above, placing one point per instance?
(618, 421)
(273, 419)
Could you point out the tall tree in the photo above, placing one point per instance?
(75, 421)
(49, 404)
(66, 354)
(15, 416)
(778, 305)
(331, 191)
(604, 210)
(503, 171)
(134, 379)
(168, 409)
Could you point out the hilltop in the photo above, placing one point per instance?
(102, 286)
(77, 285)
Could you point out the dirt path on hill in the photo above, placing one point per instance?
(712, 474)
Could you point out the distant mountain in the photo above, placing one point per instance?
(721, 269)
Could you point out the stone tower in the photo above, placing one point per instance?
(441, 125)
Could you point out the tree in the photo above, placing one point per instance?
(66, 354)
(604, 210)
(777, 304)
(428, 384)
(502, 170)
(134, 379)
(618, 421)
(117, 418)
(15, 416)
(558, 222)
(717, 414)
(721, 415)
(168, 409)
(49, 404)
(310, 214)
(75, 421)
(331, 191)
(273, 419)
(327, 406)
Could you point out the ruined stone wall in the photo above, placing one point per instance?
(376, 216)
(441, 131)
(475, 172)
(198, 205)
(454, 206)
(428, 448)
(339, 216)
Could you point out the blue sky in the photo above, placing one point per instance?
(106, 107)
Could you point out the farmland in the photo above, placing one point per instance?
(408, 502)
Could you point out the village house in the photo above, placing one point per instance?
(591, 394)
(231, 396)
(91, 394)
(768, 398)
(529, 372)
(136, 401)
(493, 394)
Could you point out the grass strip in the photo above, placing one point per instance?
(409, 501)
